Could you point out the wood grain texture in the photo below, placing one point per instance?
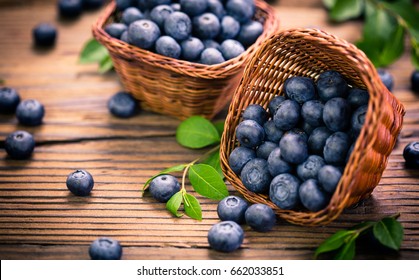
(40, 219)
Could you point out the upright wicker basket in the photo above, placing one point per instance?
(308, 52)
(176, 87)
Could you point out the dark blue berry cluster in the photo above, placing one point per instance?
(202, 31)
(295, 152)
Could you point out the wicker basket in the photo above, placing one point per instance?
(308, 52)
(176, 87)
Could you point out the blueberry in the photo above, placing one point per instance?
(386, 78)
(178, 25)
(192, 48)
(351, 149)
(122, 105)
(414, 81)
(206, 26)
(299, 131)
(92, 4)
(260, 217)
(231, 48)
(80, 182)
(124, 37)
(255, 176)
(115, 29)
(176, 7)
(411, 154)
(217, 8)
(307, 128)
(225, 236)
(211, 56)
(230, 27)
(153, 3)
(336, 148)
(143, 33)
(250, 134)
(358, 119)
(239, 157)
(293, 148)
(300, 89)
(250, 32)
(312, 112)
(105, 248)
(209, 43)
(9, 99)
(159, 14)
(255, 112)
(287, 115)
(193, 7)
(272, 133)
(274, 104)
(331, 84)
(142, 5)
(312, 196)
(163, 187)
(284, 191)
(44, 34)
(276, 165)
(70, 8)
(241, 10)
(329, 177)
(310, 168)
(131, 14)
(19, 144)
(30, 112)
(168, 46)
(121, 5)
(317, 140)
(358, 97)
(232, 208)
(265, 149)
(337, 114)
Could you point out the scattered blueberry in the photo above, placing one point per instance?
(317, 140)
(44, 35)
(276, 165)
(19, 144)
(231, 48)
(232, 208)
(193, 7)
(70, 8)
(239, 157)
(241, 10)
(358, 97)
(211, 56)
(414, 80)
(312, 112)
(122, 105)
(337, 114)
(336, 148)
(163, 187)
(159, 14)
(206, 26)
(168, 46)
(284, 191)
(293, 148)
(312, 196)
(272, 132)
(80, 182)
(411, 154)
(265, 149)
(310, 168)
(255, 176)
(386, 78)
(115, 29)
(287, 114)
(229, 29)
(105, 248)
(192, 48)
(331, 84)
(30, 112)
(143, 33)
(130, 15)
(225, 236)
(260, 217)
(300, 89)
(178, 25)
(329, 177)
(256, 113)
(249, 32)
(250, 134)
(9, 99)
(274, 104)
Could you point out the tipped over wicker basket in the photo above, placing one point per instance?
(176, 87)
(308, 52)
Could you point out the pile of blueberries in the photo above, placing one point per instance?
(203, 31)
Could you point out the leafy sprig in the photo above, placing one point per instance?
(204, 173)
(387, 231)
(94, 52)
(386, 25)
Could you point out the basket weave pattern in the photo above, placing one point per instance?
(177, 87)
(309, 52)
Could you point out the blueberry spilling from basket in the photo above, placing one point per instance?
(295, 152)
(202, 31)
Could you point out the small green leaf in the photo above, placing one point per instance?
(220, 127)
(406, 10)
(192, 206)
(197, 132)
(334, 242)
(174, 203)
(347, 252)
(175, 168)
(214, 160)
(346, 9)
(93, 52)
(207, 182)
(329, 3)
(389, 232)
(105, 64)
(393, 47)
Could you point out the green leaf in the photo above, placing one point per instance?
(415, 57)
(389, 232)
(346, 9)
(197, 132)
(192, 206)
(93, 52)
(220, 127)
(207, 182)
(347, 252)
(394, 47)
(105, 64)
(406, 10)
(175, 168)
(334, 242)
(214, 160)
(174, 203)
(329, 3)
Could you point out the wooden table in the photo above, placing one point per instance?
(40, 219)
